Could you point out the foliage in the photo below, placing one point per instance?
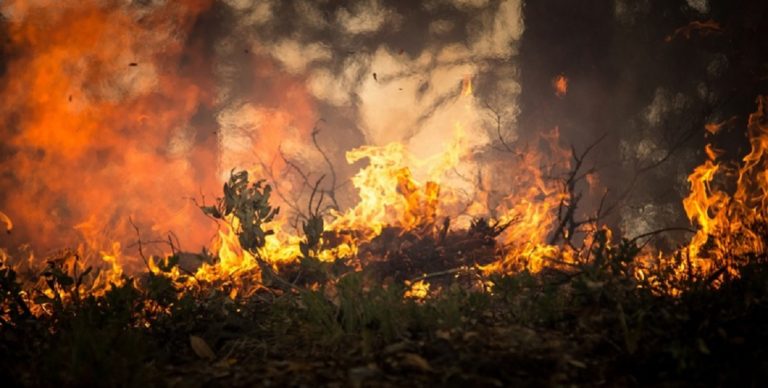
(249, 204)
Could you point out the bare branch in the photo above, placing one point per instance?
(567, 209)
(332, 191)
(141, 247)
(497, 117)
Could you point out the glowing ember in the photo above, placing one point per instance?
(704, 28)
(560, 84)
(418, 290)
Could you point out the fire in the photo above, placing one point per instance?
(112, 276)
(712, 152)
(466, 86)
(713, 128)
(727, 221)
(96, 115)
(7, 221)
(389, 195)
(560, 84)
(530, 210)
(96, 75)
(232, 258)
(418, 290)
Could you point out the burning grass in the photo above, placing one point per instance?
(391, 293)
(591, 326)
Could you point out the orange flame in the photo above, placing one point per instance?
(7, 221)
(560, 84)
(417, 290)
(83, 83)
(87, 79)
(726, 221)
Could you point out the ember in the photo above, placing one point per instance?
(560, 83)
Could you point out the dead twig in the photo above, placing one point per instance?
(441, 273)
(332, 191)
(496, 116)
(567, 208)
(141, 246)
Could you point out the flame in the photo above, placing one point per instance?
(417, 290)
(466, 86)
(714, 128)
(84, 81)
(712, 152)
(391, 195)
(560, 84)
(726, 222)
(7, 221)
(530, 209)
(113, 274)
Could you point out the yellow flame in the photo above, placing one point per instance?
(466, 86)
(725, 221)
(417, 290)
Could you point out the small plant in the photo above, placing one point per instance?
(245, 206)
(314, 225)
(249, 204)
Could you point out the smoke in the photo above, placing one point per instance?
(117, 113)
(98, 106)
(362, 73)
